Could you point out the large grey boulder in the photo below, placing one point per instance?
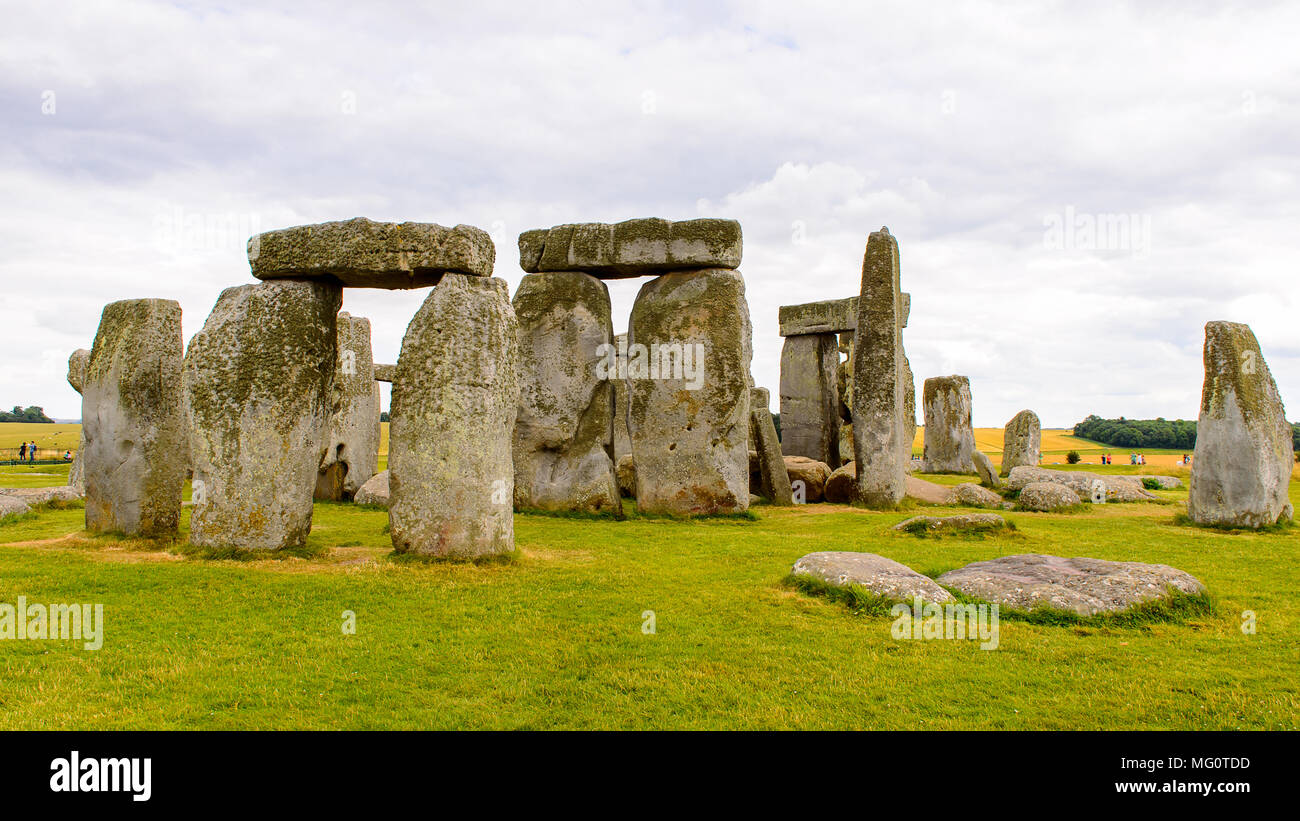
(842, 484)
(879, 427)
(1088, 487)
(969, 494)
(361, 253)
(259, 380)
(77, 364)
(829, 316)
(1021, 442)
(1046, 497)
(884, 577)
(808, 477)
(809, 396)
(637, 247)
(563, 437)
(132, 420)
(962, 523)
(451, 474)
(374, 492)
(949, 437)
(12, 506)
(774, 479)
(689, 433)
(352, 445)
(1082, 586)
(1241, 471)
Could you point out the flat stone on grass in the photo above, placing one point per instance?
(884, 577)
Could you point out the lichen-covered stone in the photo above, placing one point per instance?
(352, 446)
(636, 247)
(374, 492)
(1082, 586)
(689, 436)
(963, 523)
(984, 469)
(809, 476)
(132, 420)
(830, 316)
(385, 373)
(969, 494)
(1045, 497)
(622, 439)
(451, 474)
(12, 506)
(842, 484)
(77, 364)
(774, 480)
(884, 577)
(361, 253)
(879, 429)
(810, 416)
(1241, 471)
(563, 438)
(1021, 442)
(259, 379)
(1086, 486)
(949, 437)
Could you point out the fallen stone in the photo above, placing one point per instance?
(12, 506)
(969, 494)
(807, 476)
(984, 469)
(1021, 442)
(374, 491)
(963, 523)
(1045, 497)
(361, 253)
(453, 413)
(774, 479)
(884, 577)
(37, 496)
(949, 437)
(352, 445)
(563, 437)
(1087, 486)
(1165, 482)
(1086, 587)
(842, 484)
(637, 247)
(1241, 471)
(928, 492)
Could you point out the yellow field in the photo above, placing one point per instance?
(51, 437)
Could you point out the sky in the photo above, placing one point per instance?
(1076, 189)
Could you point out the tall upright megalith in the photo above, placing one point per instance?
(563, 438)
(455, 399)
(131, 418)
(1241, 471)
(77, 364)
(774, 479)
(352, 445)
(622, 439)
(259, 381)
(949, 436)
(688, 393)
(810, 419)
(1022, 440)
(879, 426)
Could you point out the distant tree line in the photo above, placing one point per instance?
(32, 414)
(1175, 434)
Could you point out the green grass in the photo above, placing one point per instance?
(554, 638)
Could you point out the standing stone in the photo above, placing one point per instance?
(131, 418)
(1241, 470)
(810, 397)
(949, 437)
(1021, 442)
(77, 364)
(451, 475)
(259, 380)
(909, 408)
(563, 439)
(690, 425)
(984, 468)
(352, 448)
(622, 439)
(879, 427)
(774, 480)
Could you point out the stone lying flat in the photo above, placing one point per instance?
(884, 577)
(385, 373)
(812, 473)
(637, 247)
(374, 491)
(1083, 586)
(1118, 488)
(831, 316)
(1165, 482)
(12, 506)
(35, 496)
(969, 494)
(964, 523)
(1045, 497)
(361, 253)
(928, 492)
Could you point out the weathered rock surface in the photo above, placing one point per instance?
(132, 420)
(1045, 497)
(563, 439)
(361, 253)
(622, 439)
(1021, 442)
(1083, 586)
(637, 247)
(810, 418)
(1165, 482)
(36, 496)
(808, 474)
(374, 491)
(969, 494)
(846, 443)
(352, 446)
(1084, 484)
(774, 478)
(1241, 471)
(689, 436)
(625, 471)
(829, 316)
(884, 577)
(842, 484)
(77, 364)
(963, 523)
(984, 469)
(385, 373)
(259, 379)
(453, 413)
(949, 437)
(928, 492)
(879, 429)
(12, 506)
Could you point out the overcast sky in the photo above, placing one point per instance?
(144, 141)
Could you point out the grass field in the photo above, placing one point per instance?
(554, 639)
